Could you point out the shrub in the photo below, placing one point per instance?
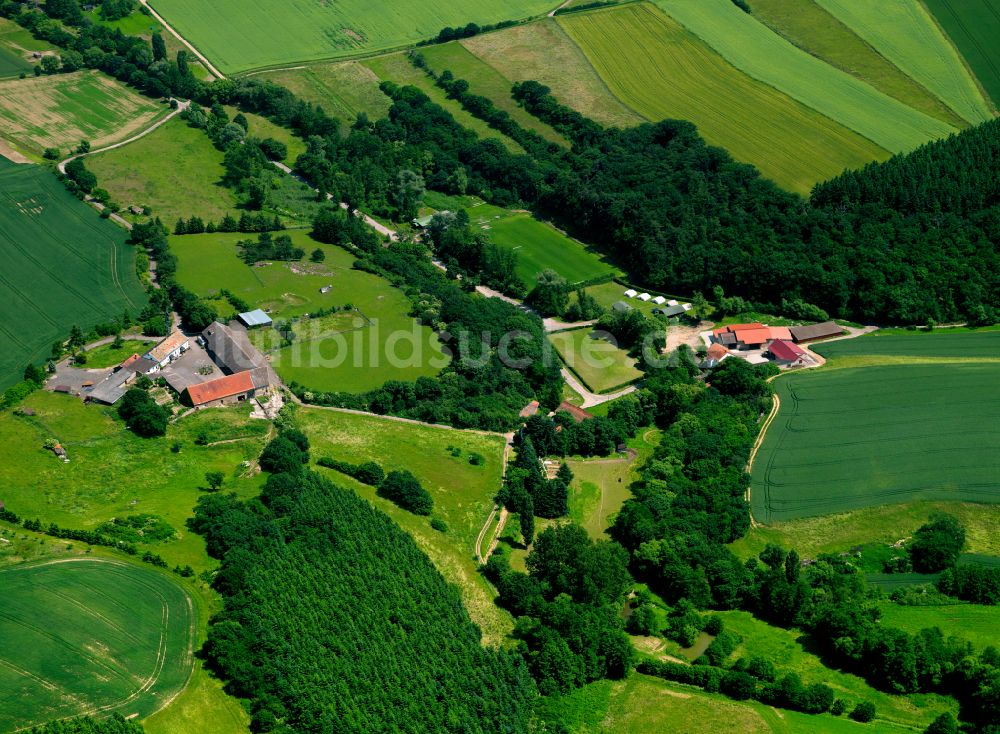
(142, 415)
(438, 524)
(402, 488)
(863, 712)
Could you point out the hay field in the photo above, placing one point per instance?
(876, 434)
(343, 89)
(62, 265)
(753, 48)
(463, 492)
(813, 29)
(91, 636)
(679, 76)
(974, 27)
(904, 32)
(599, 364)
(175, 170)
(238, 36)
(61, 110)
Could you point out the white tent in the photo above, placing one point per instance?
(671, 302)
(644, 297)
(659, 300)
(631, 293)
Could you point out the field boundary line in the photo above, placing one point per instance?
(179, 37)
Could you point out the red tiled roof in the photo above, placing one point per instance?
(717, 351)
(746, 327)
(780, 332)
(223, 387)
(754, 336)
(785, 351)
(530, 409)
(129, 361)
(579, 414)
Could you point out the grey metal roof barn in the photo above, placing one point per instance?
(257, 317)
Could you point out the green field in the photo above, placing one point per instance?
(599, 364)
(381, 342)
(62, 265)
(755, 49)
(893, 431)
(238, 36)
(974, 27)
(91, 636)
(680, 77)
(904, 32)
(61, 110)
(542, 52)
(175, 170)
(539, 246)
(342, 89)
(107, 356)
(463, 493)
(976, 623)
(813, 29)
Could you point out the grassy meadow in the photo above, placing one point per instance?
(62, 265)
(681, 77)
(107, 356)
(974, 27)
(810, 27)
(599, 364)
(91, 636)
(343, 89)
(975, 623)
(439, 457)
(61, 110)
(756, 50)
(904, 32)
(239, 36)
(175, 170)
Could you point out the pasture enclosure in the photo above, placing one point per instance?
(753, 48)
(974, 27)
(810, 27)
(904, 32)
(237, 36)
(439, 458)
(600, 364)
(59, 111)
(851, 438)
(539, 246)
(91, 636)
(175, 170)
(680, 77)
(62, 265)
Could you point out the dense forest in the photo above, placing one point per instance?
(335, 620)
(112, 725)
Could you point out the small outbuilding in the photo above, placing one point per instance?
(254, 319)
(529, 410)
(620, 307)
(579, 414)
(167, 351)
(223, 390)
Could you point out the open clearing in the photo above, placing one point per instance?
(810, 27)
(753, 48)
(175, 170)
(542, 52)
(539, 246)
(62, 265)
(664, 71)
(238, 36)
(904, 32)
(91, 636)
(343, 89)
(897, 430)
(463, 493)
(61, 110)
(974, 27)
(374, 342)
(599, 364)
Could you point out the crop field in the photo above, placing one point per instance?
(439, 457)
(599, 364)
(485, 80)
(382, 342)
(342, 89)
(810, 27)
(238, 36)
(974, 27)
(113, 473)
(11, 63)
(905, 33)
(539, 246)
(976, 623)
(91, 636)
(61, 110)
(680, 77)
(542, 51)
(753, 48)
(175, 170)
(62, 265)
(895, 431)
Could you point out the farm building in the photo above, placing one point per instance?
(747, 336)
(786, 353)
(111, 389)
(255, 318)
(224, 390)
(167, 351)
(671, 311)
(225, 349)
(578, 414)
(127, 362)
(813, 332)
(631, 293)
(620, 306)
(423, 222)
(716, 353)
